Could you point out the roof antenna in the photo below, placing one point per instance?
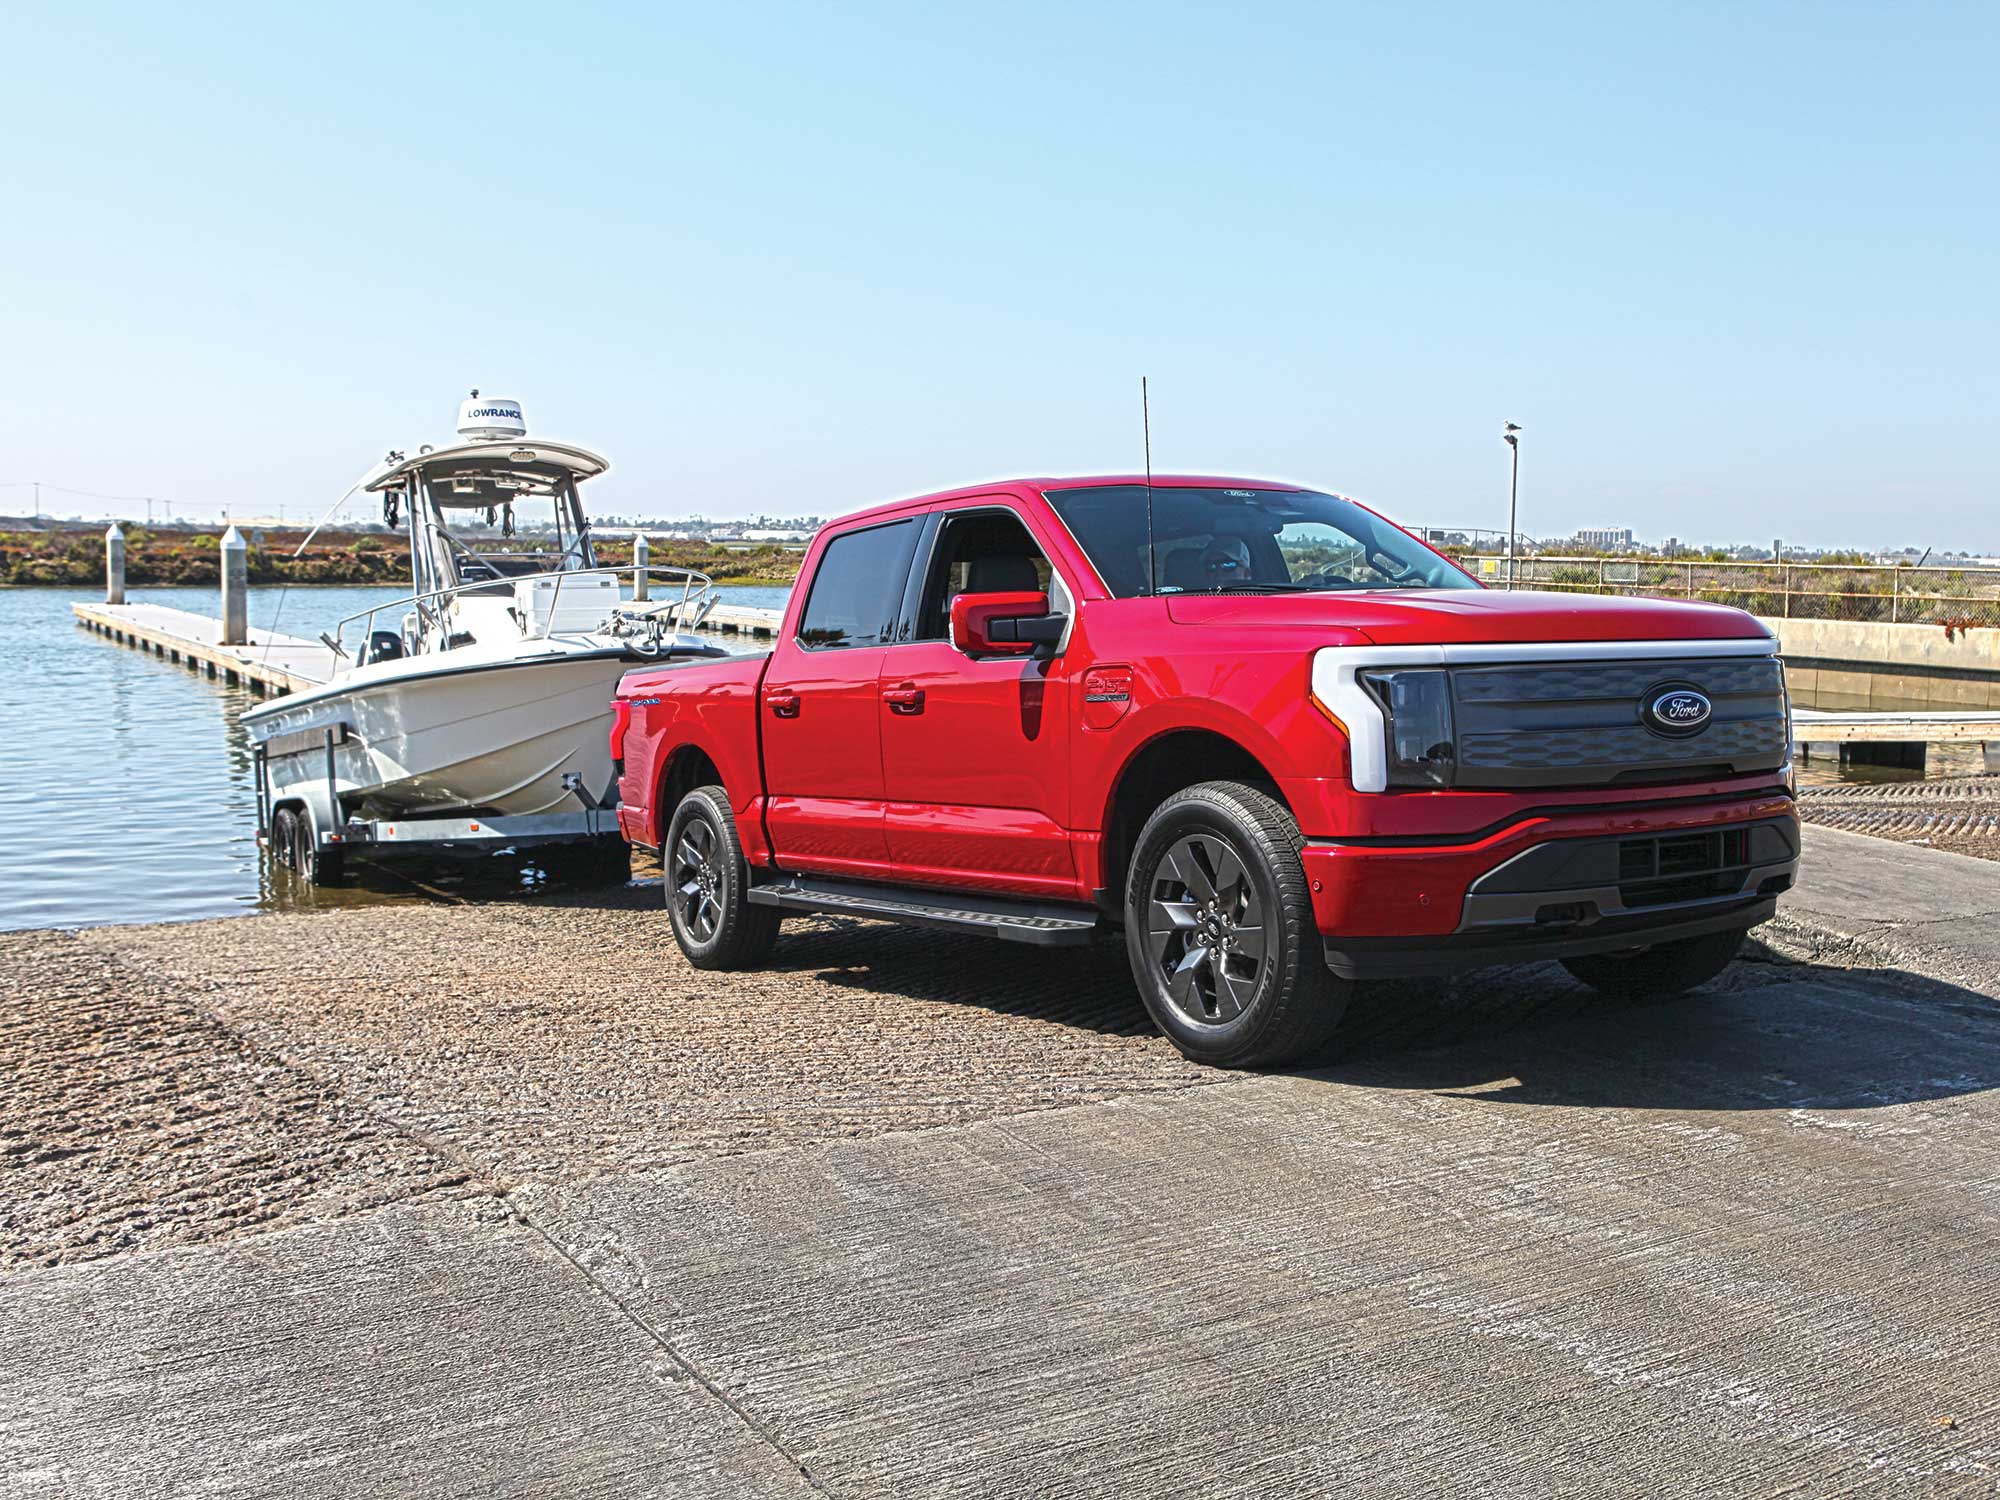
(1152, 552)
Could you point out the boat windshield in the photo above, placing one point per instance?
(487, 528)
(1209, 541)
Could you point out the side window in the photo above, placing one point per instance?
(982, 552)
(857, 586)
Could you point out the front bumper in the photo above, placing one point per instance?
(1552, 886)
(1396, 958)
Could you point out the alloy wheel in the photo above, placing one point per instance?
(1205, 929)
(697, 881)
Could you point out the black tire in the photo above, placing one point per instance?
(1214, 863)
(283, 836)
(708, 884)
(1663, 970)
(315, 863)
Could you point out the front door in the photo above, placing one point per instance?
(976, 753)
(820, 715)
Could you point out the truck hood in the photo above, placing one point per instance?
(1431, 617)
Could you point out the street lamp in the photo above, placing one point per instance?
(1510, 435)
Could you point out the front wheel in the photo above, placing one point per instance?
(1663, 970)
(708, 886)
(1219, 928)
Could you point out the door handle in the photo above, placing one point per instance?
(907, 699)
(783, 705)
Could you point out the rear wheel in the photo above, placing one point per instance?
(708, 886)
(1219, 929)
(1659, 971)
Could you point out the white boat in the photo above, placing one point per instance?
(484, 695)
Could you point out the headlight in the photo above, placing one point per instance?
(1417, 704)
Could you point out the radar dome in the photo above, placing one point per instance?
(490, 419)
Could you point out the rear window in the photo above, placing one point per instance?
(858, 586)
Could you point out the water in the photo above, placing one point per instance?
(125, 785)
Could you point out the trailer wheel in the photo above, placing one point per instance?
(316, 864)
(282, 835)
(708, 885)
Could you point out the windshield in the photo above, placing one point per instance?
(1245, 541)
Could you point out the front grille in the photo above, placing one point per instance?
(1579, 723)
(1682, 867)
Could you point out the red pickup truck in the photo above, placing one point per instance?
(1275, 739)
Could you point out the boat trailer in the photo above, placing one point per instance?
(317, 843)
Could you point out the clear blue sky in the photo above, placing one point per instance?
(1732, 266)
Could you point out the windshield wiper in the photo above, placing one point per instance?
(1286, 587)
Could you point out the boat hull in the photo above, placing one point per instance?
(498, 738)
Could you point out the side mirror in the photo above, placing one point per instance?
(1004, 624)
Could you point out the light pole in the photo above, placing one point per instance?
(1510, 435)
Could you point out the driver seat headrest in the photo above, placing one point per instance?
(1001, 573)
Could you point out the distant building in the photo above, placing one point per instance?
(1605, 537)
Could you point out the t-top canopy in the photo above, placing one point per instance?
(480, 474)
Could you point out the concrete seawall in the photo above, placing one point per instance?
(1854, 664)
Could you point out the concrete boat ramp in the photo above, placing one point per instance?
(506, 1200)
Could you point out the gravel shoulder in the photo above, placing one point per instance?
(185, 1083)
(131, 1119)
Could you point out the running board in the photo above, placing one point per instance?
(1045, 923)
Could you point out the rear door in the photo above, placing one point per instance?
(976, 753)
(820, 717)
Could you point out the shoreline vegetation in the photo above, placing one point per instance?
(76, 557)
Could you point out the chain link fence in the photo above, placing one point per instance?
(1956, 598)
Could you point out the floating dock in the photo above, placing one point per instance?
(272, 663)
(267, 663)
(741, 619)
(1813, 726)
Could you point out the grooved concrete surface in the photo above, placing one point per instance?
(990, 1239)
(1960, 814)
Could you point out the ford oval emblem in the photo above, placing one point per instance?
(1678, 710)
